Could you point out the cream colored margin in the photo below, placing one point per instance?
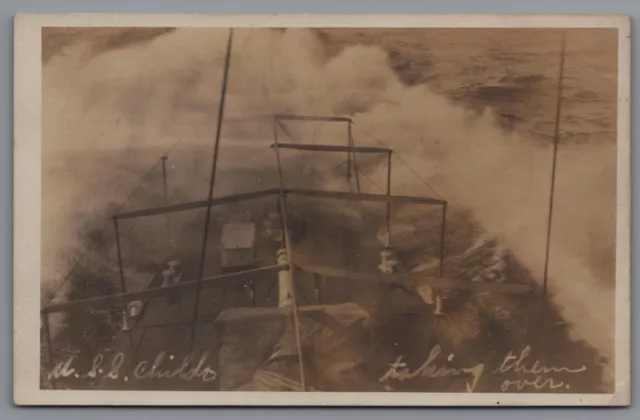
(27, 198)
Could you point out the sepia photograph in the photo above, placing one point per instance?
(339, 210)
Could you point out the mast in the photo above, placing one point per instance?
(207, 221)
(556, 138)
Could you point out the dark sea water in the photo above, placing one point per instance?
(513, 71)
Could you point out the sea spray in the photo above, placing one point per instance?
(142, 99)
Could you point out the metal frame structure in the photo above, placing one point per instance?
(351, 153)
(351, 158)
(351, 150)
(288, 264)
(201, 283)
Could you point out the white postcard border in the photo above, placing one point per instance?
(27, 205)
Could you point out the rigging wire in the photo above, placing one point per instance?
(216, 148)
(413, 171)
(556, 139)
(375, 184)
(106, 225)
(360, 172)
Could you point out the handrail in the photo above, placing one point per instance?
(276, 191)
(122, 298)
(416, 279)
